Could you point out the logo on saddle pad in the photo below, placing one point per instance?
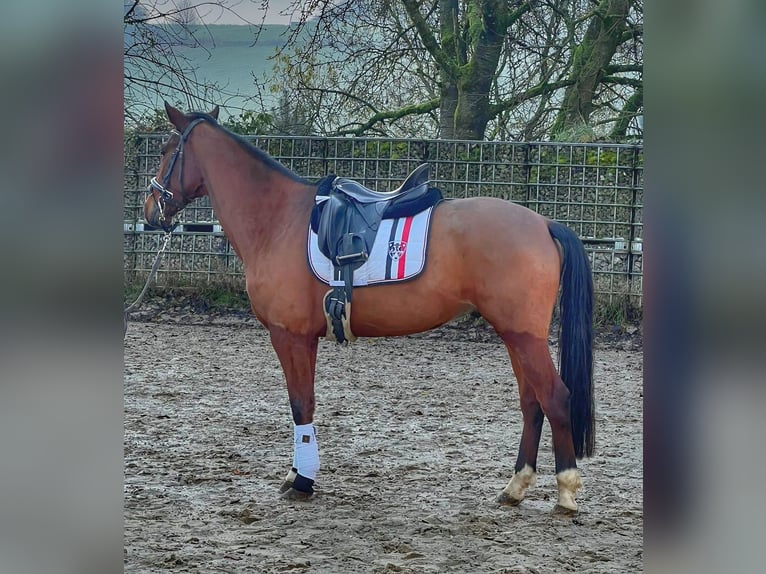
(396, 249)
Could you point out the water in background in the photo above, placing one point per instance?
(234, 59)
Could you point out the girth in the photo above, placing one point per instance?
(346, 219)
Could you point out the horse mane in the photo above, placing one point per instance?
(254, 151)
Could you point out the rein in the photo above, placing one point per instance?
(157, 258)
(166, 196)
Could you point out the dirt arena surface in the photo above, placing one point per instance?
(417, 437)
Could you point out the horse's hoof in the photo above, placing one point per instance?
(507, 500)
(559, 510)
(292, 494)
(289, 480)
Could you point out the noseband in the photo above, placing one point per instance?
(166, 196)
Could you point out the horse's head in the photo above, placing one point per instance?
(179, 179)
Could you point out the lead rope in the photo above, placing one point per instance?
(133, 306)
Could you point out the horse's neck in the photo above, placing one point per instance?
(253, 200)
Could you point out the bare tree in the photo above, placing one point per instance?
(462, 68)
(186, 14)
(591, 66)
(153, 64)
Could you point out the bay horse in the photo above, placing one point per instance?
(486, 254)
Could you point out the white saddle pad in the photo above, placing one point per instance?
(399, 252)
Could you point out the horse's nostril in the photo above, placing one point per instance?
(152, 214)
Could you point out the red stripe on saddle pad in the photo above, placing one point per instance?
(405, 239)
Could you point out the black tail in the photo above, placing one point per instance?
(576, 337)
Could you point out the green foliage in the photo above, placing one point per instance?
(470, 153)
(225, 298)
(155, 121)
(375, 149)
(604, 158)
(251, 123)
(399, 150)
(218, 298)
(618, 311)
(291, 119)
(284, 120)
(130, 291)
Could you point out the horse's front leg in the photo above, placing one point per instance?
(298, 354)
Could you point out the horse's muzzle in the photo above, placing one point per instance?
(154, 215)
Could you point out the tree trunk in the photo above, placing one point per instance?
(471, 115)
(472, 112)
(454, 52)
(474, 50)
(447, 107)
(590, 58)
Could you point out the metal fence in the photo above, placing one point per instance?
(596, 189)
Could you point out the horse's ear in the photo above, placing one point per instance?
(214, 113)
(176, 117)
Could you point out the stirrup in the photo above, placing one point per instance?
(337, 313)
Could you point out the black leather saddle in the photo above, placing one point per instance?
(345, 207)
(414, 186)
(346, 219)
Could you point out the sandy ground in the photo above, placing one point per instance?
(417, 437)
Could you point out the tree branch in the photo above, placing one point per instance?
(426, 36)
(622, 81)
(629, 111)
(619, 68)
(511, 19)
(131, 10)
(341, 93)
(634, 32)
(538, 90)
(414, 109)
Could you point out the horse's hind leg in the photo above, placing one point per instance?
(537, 376)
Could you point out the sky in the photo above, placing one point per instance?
(279, 12)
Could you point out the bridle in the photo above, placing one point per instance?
(166, 197)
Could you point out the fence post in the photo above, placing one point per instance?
(633, 211)
(324, 150)
(526, 169)
(426, 151)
